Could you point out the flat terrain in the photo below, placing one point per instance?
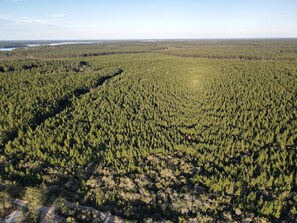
(201, 131)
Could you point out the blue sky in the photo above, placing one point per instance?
(146, 19)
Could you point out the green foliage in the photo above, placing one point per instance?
(213, 136)
(5, 203)
(33, 197)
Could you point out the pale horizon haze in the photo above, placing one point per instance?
(154, 19)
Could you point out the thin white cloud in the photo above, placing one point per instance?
(25, 28)
(24, 20)
(47, 20)
(59, 15)
(3, 17)
(28, 20)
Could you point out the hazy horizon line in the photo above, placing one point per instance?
(141, 39)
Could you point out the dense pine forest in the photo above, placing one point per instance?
(167, 131)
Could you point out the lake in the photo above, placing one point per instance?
(8, 49)
(46, 44)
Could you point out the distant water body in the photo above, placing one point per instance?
(45, 44)
(8, 49)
